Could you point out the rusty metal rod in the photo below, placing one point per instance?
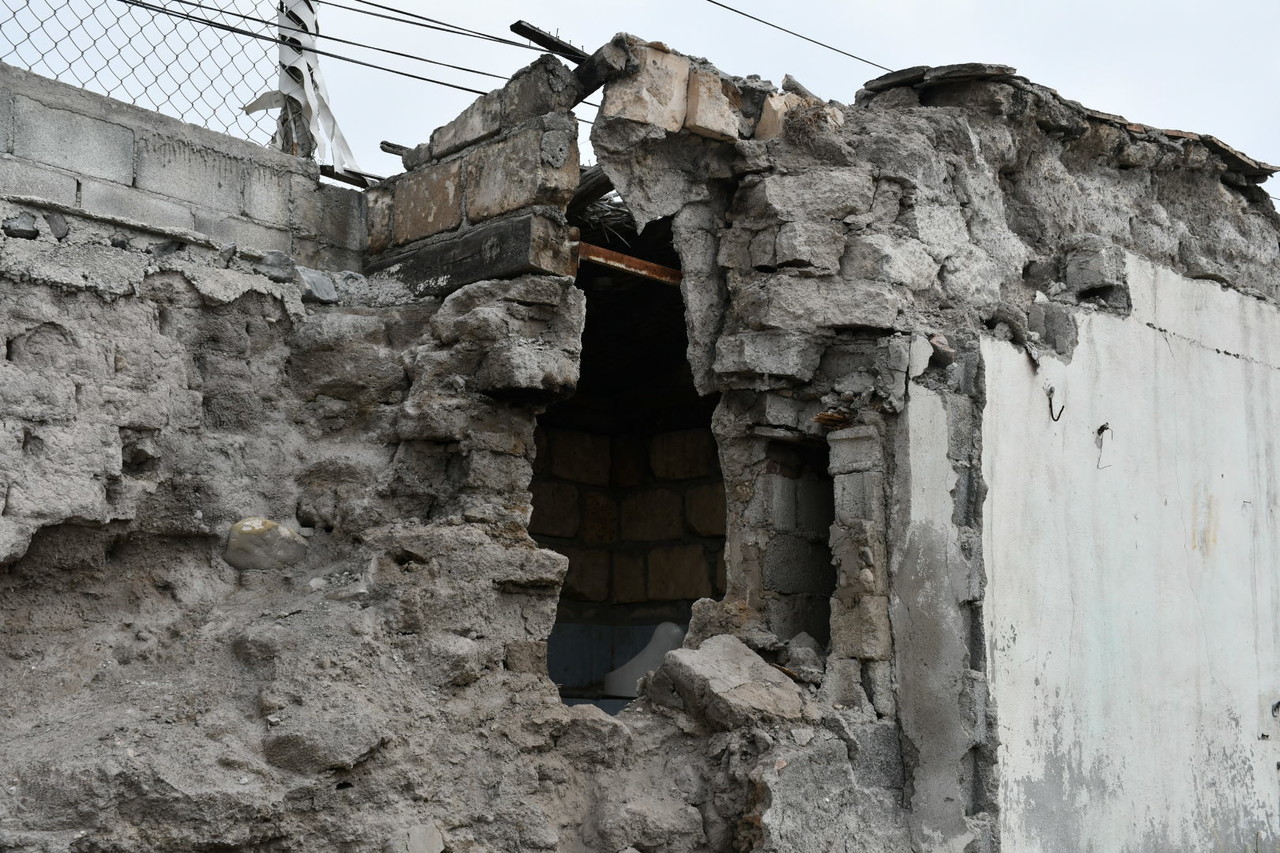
(618, 261)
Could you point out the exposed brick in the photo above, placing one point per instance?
(679, 573)
(652, 515)
(629, 585)
(427, 202)
(531, 167)
(582, 457)
(861, 629)
(630, 461)
(683, 455)
(86, 146)
(705, 506)
(588, 577)
(599, 519)
(477, 122)
(555, 510)
(855, 449)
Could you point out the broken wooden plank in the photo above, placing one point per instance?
(547, 41)
(616, 260)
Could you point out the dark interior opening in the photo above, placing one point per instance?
(627, 481)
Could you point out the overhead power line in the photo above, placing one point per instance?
(250, 34)
(322, 35)
(415, 20)
(798, 35)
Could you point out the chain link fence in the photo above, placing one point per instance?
(179, 67)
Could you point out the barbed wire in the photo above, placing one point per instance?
(159, 62)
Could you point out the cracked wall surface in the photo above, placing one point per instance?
(883, 296)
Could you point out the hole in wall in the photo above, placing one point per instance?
(627, 481)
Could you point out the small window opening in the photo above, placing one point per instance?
(799, 578)
(627, 480)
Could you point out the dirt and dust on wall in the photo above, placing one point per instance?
(351, 573)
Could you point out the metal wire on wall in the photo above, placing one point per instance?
(180, 68)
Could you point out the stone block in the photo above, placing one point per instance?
(728, 685)
(379, 204)
(534, 166)
(705, 509)
(799, 304)
(878, 681)
(20, 177)
(860, 496)
(588, 577)
(657, 94)
(181, 170)
(768, 353)
(653, 515)
(420, 838)
(842, 684)
(480, 121)
(773, 114)
(861, 557)
(679, 573)
(714, 106)
(897, 260)
(83, 145)
(103, 197)
(821, 194)
(582, 457)
(795, 564)
(258, 544)
(518, 366)
(861, 629)
(814, 245)
(855, 449)
(547, 85)
(683, 455)
(599, 519)
(427, 202)
(630, 460)
(629, 583)
(555, 510)
(527, 656)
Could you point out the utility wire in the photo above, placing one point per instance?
(416, 20)
(798, 35)
(243, 32)
(338, 40)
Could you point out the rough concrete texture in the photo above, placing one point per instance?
(385, 687)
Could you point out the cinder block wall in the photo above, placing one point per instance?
(69, 149)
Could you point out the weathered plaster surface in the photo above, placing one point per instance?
(1132, 595)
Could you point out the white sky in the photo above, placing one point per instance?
(1185, 64)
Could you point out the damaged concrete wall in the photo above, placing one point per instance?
(871, 290)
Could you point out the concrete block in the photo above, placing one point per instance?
(266, 194)
(6, 122)
(115, 200)
(588, 577)
(861, 556)
(582, 457)
(861, 629)
(876, 752)
(477, 122)
(814, 511)
(527, 656)
(897, 260)
(816, 245)
(683, 455)
(379, 204)
(705, 509)
(652, 515)
(333, 214)
(180, 170)
(805, 303)
(555, 510)
(547, 85)
(657, 94)
(520, 171)
(823, 194)
(777, 354)
(247, 235)
(860, 496)
(427, 202)
(323, 256)
(84, 145)
(878, 681)
(679, 573)
(599, 519)
(855, 449)
(714, 106)
(629, 583)
(20, 177)
(795, 564)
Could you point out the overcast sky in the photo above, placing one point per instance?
(1204, 67)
